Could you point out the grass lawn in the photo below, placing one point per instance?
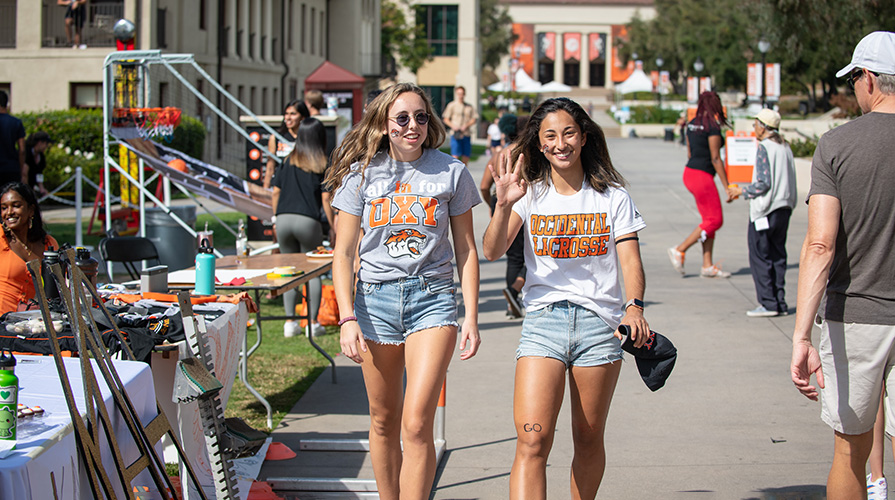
(223, 239)
(282, 369)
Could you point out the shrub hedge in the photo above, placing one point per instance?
(77, 136)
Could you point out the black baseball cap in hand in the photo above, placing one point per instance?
(655, 358)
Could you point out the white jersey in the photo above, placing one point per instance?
(570, 247)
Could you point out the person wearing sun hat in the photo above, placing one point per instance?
(847, 257)
(772, 196)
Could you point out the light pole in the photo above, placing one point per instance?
(659, 63)
(698, 66)
(763, 46)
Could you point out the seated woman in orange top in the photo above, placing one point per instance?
(23, 239)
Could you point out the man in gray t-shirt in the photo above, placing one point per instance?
(847, 254)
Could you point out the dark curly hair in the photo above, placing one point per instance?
(598, 169)
(710, 111)
(37, 232)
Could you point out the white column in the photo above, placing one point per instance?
(243, 21)
(559, 63)
(584, 69)
(268, 30)
(232, 16)
(256, 29)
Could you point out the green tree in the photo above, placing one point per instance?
(813, 39)
(403, 42)
(495, 32)
(683, 30)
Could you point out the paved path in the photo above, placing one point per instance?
(729, 423)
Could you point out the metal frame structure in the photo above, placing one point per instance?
(351, 487)
(142, 60)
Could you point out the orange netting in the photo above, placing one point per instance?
(155, 121)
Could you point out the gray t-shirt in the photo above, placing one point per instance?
(405, 211)
(856, 164)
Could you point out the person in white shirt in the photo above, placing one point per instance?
(581, 228)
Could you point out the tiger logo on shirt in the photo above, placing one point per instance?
(406, 243)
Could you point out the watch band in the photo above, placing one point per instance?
(633, 302)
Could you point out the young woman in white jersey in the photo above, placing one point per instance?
(404, 200)
(581, 227)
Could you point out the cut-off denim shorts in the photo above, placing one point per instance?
(570, 333)
(389, 312)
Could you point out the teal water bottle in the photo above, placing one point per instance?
(9, 395)
(205, 269)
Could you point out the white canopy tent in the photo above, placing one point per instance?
(637, 82)
(527, 84)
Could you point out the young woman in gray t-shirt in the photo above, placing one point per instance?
(400, 198)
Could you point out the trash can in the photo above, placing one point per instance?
(669, 134)
(176, 247)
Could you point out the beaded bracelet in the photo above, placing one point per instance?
(346, 319)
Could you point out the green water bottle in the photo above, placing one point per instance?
(9, 392)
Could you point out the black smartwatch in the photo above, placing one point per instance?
(633, 302)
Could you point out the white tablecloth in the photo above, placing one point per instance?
(47, 444)
(225, 337)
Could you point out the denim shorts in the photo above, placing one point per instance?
(389, 312)
(570, 333)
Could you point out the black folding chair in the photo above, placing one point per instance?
(128, 250)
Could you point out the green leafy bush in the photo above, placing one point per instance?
(653, 114)
(189, 137)
(78, 142)
(803, 148)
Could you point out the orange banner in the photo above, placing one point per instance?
(571, 44)
(547, 46)
(523, 47)
(620, 73)
(596, 47)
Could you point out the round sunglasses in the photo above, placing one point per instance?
(421, 118)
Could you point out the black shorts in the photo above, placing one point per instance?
(76, 15)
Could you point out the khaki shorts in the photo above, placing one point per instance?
(856, 358)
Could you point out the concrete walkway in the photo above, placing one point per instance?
(729, 423)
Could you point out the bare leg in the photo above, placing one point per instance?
(518, 284)
(536, 401)
(690, 240)
(428, 353)
(591, 389)
(68, 28)
(383, 369)
(879, 442)
(707, 247)
(846, 480)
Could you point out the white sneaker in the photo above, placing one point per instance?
(878, 490)
(317, 330)
(677, 259)
(762, 312)
(714, 272)
(290, 329)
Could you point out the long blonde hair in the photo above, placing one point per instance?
(367, 138)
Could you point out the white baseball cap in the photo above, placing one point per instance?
(769, 117)
(875, 52)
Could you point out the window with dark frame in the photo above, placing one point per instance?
(202, 25)
(303, 27)
(161, 28)
(82, 95)
(441, 25)
(291, 19)
(322, 34)
(313, 16)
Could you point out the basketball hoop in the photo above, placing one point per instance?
(152, 122)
